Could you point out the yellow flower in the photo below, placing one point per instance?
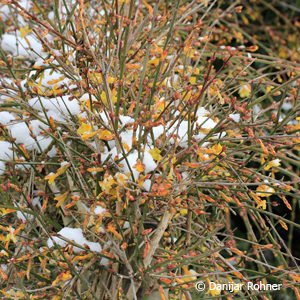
(139, 166)
(84, 128)
(216, 149)
(121, 178)
(103, 97)
(155, 153)
(107, 184)
(272, 163)
(182, 212)
(296, 127)
(262, 205)
(154, 62)
(245, 90)
(51, 176)
(62, 277)
(89, 135)
(193, 79)
(269, 88)
(283, 225)
(11, 236)
(61, 198)
(265, 191)
(214, 290)
(105, 135)
(24, 31)
(111, 79)
(160, 104)
(186, 271)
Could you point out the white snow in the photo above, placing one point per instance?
(52, 152)
(235, 117)
(5, 152)
(27, 47)
(6, 11)
(6, 118)
(171, 81)
(2, 167)
(75, 235)
(131, 158)
(104, 117)
(38, 126)
(21, 133)
(104, 261)
(126, 120)
(202, 112)
(112, 152)
(57, 108)
(24, 216)
(286, 106)
(64, 163)
(158, 131)
(51, 15)
(126, 137)
(199, 137)
(147, 185)
(86, 97)
(36, 202)
(126, 225)
(3, 267)
(184, 175)
(204, 121)
(39, 63)
(150, 164)
(180, 129)
(50, 74)
(99, 210)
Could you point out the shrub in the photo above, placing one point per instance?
(147, 146)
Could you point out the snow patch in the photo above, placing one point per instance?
(75, 235)
(235, 117)
(57, 108)
(26, 47)
(99, 210)
(6, 118)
